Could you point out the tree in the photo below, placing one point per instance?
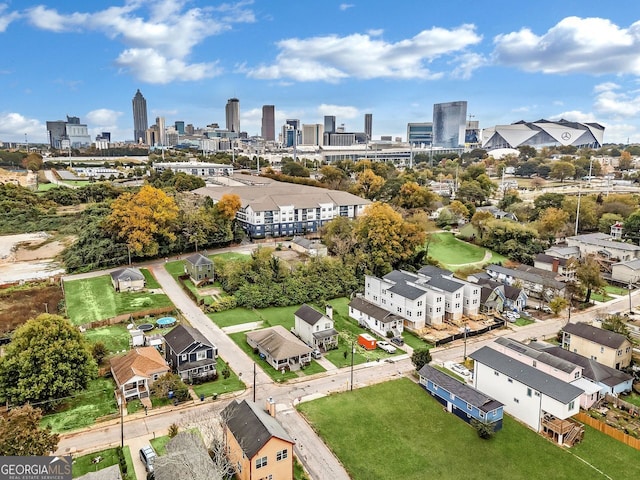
(170, 382)
(21, 435)
(295, 169)
(33, 162)
(557, 304)
(625, 161)
(47, 359)
(588, 274)
(143, 219)
(485, 430)
(459, 210)
(552, 221)
(228, 206)
(471, 191)
(608, 219)
(99, 351)
(616, 323)
(368, 184)
(631, 227)
(562, 170)
(412, 195)
(420, 357)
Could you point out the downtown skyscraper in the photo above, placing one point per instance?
(269, 123)
(449, 124)
(232, 111)
(140, 122)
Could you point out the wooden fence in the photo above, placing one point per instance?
(621, 404)
(127, 317)
(609, 430)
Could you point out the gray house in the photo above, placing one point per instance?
(189, 353)
(199, 268)
(127, 279)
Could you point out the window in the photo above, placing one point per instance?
(572, 404)
(261, 462)
(529, 392)
(537, 394)
(576, 375)
(281, 455)
(619, 352)
(327, 326)
(420, 313)
(469, 407)
(399, 309)
(510, 380)
(601, 349)
(183, 357)
(419, 303)
(201, 355)
(496, 373)
(375, 298)
(515, 400)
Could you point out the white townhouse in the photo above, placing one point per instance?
(428, 297)
(534, 397)
(274, 209)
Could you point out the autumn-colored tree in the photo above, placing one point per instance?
(333, 177)
(386, 238)
(368, 184)
(562, 170)
(143, 219)
(22, 436)
(412, 195)
(588, 274)
(459, 209)
(625, 161)
(33, 162)
(228, 205)
(588, 211)
(339, 236)
(552, 221)
(557, 304)
(480, 219)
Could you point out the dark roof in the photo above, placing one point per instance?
(529, 274)
(445, 284)
(186, 458)
(127, 274)
(400, 276)
(109, 473)
(183, 336)
(459, 389)
(591, 369)
(432, 271)
(185, 367)
(544, 258)
(407, 291)
(252, 427)
(198, 259)
(308, 314)
(529, 376)
(332, 332)
(595, 334)
(372, 310)
(510, 292)
(541, 356)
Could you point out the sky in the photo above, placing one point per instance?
(511, 61)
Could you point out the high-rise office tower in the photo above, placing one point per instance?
(329, 124)
(368, 124)
(449, 124)
(269, 122)
(179, 126)
(140, 123)
(420, 134)
(232, 111)
(312, 134)
(162, 131)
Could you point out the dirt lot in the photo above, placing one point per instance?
(17, 305)
(29, 256)
(25, 179)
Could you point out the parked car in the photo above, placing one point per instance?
(398, 341)
(460, 370)
(546, 309)
(316, 354)
(387, 347)
(148, 455)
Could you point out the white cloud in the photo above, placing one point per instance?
(466, 64)
(162, 39)
(330, 58)
(103, 117)
(346, 6)
(375, 32)
(6, 17)
(149, 66)
(575, 116)
(13, 127)
(340, 111)
(611, 101)
(588, 45)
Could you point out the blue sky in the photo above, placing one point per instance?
(509, 60)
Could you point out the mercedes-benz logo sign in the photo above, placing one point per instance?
(566, 135)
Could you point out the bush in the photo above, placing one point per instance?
(485, 430)
(99, 351)
(170, 382)
(226, 373)
(173, 430)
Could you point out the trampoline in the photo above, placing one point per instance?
(145, 327)
(165, 322)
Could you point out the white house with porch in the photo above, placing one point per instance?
(135, 372)
(315, 329)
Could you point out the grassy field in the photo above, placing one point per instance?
(95, 299)
(231, 256)
(115, 337)
(221, 385)
(84, 464)
(453, 253)
(150, 280)
(236, 316)
(416, 439)
(616, 290)
(159, 444)
(83, 409)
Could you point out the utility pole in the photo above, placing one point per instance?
(578, 208)
(121, 402)
(254, 382)
(353, 350)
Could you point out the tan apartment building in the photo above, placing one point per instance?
(603, 346)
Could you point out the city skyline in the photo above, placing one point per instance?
(573, 60)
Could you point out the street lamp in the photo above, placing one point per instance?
(630, 288)
(353, 350)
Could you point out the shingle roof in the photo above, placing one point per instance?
(198, 259)
(510, 292)
(279, 342)
(407, 291)
(400, 276)
(141, 361)
(459, 389)
(373, 310)
(432, 271)
(631, 264)
(529, 376)
(252, 427)
(604, 240)
(186, 458)
(595, 334)
(445, 284)
(127, 274)
(535, 276)
(544, 258)
(308, 314)
(109, 473)
(541, 356)
(591, 369)
(183, 336)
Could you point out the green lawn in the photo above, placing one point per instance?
(414, 438)
(84, 464)
(453, 253)
(598, 297)
(231, 256)
(83, 409)
(159, 444)
(235, 316)
(415, 342)
(134, 406)
(175, 268)
(43, 187)
(115, 337)
(522, 321)
(632, 398)
(221, 385)
(150, 280)
(95, 299)
(616, 290)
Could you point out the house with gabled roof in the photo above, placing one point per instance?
(609, 348)
(460, 399)
(186, 452)
(535, 282)
(500, 297)
(127, 279)
(199, 268)
(257, 445)
(280, 348)
(539, 400)
(316, 329)
(135, 371)
(376, 319)
(190, 354)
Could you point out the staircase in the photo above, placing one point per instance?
(574, 436)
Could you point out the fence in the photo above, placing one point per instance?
(619, 403)
(126, 317)
(608, 430)
(471, 333)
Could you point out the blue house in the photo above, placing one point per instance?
(461, 399)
